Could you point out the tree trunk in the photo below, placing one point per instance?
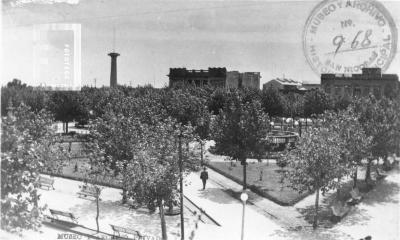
(368, 172)
(315, 223)
(124, 198)
(66, 127)
(338, 189)
(244, 174)
(162, 217)
(201, 152)
(97, 213)
(355, 178)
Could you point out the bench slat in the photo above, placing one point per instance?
(64, 214)
(124, 230)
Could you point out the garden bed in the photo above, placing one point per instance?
(270, 186)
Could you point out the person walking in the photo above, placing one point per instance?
(204, 177)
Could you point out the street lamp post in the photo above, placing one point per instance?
(244, 198)
(181, 188)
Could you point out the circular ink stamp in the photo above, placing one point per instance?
(343, 36)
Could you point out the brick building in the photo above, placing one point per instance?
(215, 77)
(371, 80)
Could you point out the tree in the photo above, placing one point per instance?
(189, 109)
(17, 93)
(97, 172)
(24, 150)
(239, 131)
(313, 164)
(316, 102)
(67, 106)
(341, 103)
(217, 100)
(357, 144)
(119, 130)
(156, 169)
(16, 83)
(294, 105)
(273, 102)
(380, 121)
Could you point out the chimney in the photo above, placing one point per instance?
(113, 74)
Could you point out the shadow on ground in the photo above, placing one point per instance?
(310, 234)
(381, 191)
(215, 195)
(112, 212)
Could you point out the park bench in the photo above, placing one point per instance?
(380, 174)
(66, 216)
(46, 182)
(88, 191)
(355, 197)
(339, 211)
(125, 231)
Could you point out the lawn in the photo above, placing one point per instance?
(269, 186)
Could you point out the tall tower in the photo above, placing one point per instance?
(113, 74)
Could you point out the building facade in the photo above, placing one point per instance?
(371, 80)
(214, 77)
(282, 84)
(235, 79)
(182, 76)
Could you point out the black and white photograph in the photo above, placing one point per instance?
(200, 119)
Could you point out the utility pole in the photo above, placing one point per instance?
(95, 80)
(181, 187)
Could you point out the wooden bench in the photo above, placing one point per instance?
(46, 182)
(339, 211)
(67, 215)
(127, 231)
(88, 191)
(380, 174)
(356, 197)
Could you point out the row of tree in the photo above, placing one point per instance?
(369, 129)
(90, 103)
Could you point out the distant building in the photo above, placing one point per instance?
(282, 84)
(215, 77)
(235, 79)
(181, 76)
(371, 80)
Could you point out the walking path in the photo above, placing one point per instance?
(64, 198)
(268, 220)
(227, 211)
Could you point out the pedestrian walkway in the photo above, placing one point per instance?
(227, 211)
(377, 215)
(64, 198)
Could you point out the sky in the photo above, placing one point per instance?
(153, 36)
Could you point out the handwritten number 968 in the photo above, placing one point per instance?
(339, 40)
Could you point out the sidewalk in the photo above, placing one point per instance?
(64, 198)
(227, 211)
(377, 215)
